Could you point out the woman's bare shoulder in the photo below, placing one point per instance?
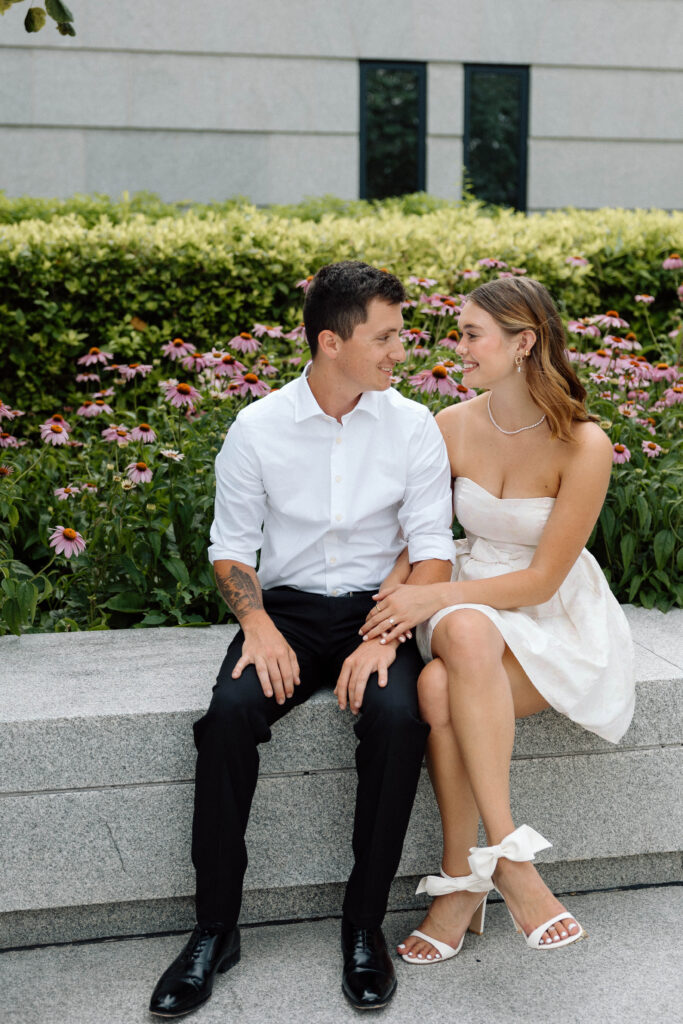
(455, 416)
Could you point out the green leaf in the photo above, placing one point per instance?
(59, 11)
(65, 29)
(35, 19)
(178, 570)
(663, 547)
(129, 601)
(11, 613)
(154, 542)
(634, 588)
(628, 548)
(13, 515)
(644, 514)
(608, 521)
(153, 619)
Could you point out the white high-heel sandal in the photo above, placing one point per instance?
(521, 845)
(440, 885)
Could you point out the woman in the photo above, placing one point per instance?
(527, 621)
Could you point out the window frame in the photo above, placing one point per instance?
(402, 65)
(520, 71)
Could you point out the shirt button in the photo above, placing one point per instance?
(333, 560)
(338, 440)
(337, 479)
(338, 518)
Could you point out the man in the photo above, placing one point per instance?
(330, 477)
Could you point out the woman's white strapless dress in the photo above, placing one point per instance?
(575, 648)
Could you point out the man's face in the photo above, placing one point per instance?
(366, 360)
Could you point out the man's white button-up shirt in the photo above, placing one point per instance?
(331, 505)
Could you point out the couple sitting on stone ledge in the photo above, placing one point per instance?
(345, 488)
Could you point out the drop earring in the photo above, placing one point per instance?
(518, 362)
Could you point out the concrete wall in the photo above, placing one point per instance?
(262, 99)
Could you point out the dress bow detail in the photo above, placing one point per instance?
(441, 885)
(520, 845)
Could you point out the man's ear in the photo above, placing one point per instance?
(329, 343)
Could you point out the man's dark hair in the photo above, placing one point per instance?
(338, 296)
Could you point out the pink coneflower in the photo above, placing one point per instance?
(94, 355)
(249, 384)
(679, 292)
(444, 304)
(89, 488)
(227, 366)
(583, 327)
(294, 360)
(86, 378)
(630, 408)
(118, 433)
(598, 378)
(468, 274)
(610, 319)
(259, 330)
(196, 361)
(139, 472)
(673, 395)
(64, 493)
(180, 393)
(113, 368)
(452, 340)
(8, 440)
(662, 371)
(424, 282)
(57, 418)
(576, 261)
(464, 393)
(650, 425)
(89, 409)
(66, 541)
(107, 393)
(673, 262)
(6, 471)
(645, 299)
(651, 449)
(620, 453)
(406, 304)
(492, 264)
(304, 283)
(413, 335)
(265, 367)
(435, 379)
(244, 342)
(143, 432)
(297, 333)
(601, 358)
(6, 412)
(135, 370)
(54, 433)
(177, 348)
(173, 454)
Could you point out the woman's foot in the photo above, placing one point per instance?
(447, 921)
(531, 902)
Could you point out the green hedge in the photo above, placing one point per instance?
(109, 275)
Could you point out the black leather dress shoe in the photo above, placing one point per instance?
(368, 981)
(188, 982)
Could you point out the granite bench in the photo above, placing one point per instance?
(97, 764)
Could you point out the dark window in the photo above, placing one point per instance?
(392, 128)
(496, 122)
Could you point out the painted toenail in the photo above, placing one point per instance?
(564, 935)
(556, 938)
(574, 926)
(419, 956)
(402, 945)
(429, 956)
(437, 956)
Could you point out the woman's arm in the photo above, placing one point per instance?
(582, 492)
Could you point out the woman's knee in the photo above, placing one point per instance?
(466, 639)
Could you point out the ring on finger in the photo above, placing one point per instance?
(391, 622)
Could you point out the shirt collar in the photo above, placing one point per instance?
(305, 405)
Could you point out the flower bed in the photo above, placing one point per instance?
(106, 503)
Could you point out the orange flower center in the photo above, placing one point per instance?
(448, 362)
(4, 434)
(144, 426)
(453, 335)
(228, 360)
(178, 342)
(86, 404)
(612, 312)
(440, 372)
(674, 256)
(196, 355)
(602, 352)
(461, 387)
(662, 366)
(56, 429)
(184, 389)
(57, 418)
(141, 466)
(620, 448)
(651, 445)
(448, 302)
(93, 351)
(100, 401)
(245, 335)
(630, 336)
(251, 378)
(678, 388)
(4, 471)
(415, 330)
(133, 366)
(68, 533)
(122, 433)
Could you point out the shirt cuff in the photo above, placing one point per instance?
(216, 553)
(421, 549)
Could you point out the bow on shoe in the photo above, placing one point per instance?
(520, 845)
(441, 885)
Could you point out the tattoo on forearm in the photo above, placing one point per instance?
(240, 591)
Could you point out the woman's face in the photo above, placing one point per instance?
(487, 351)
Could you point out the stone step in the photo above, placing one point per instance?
(624, 973)
(98, 762)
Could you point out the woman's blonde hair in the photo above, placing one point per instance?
(522, 304)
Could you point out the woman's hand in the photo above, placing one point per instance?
(398, 610)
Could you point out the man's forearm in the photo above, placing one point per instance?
(239, 587)
(432, 570)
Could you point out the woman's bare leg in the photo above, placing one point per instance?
(486, 690)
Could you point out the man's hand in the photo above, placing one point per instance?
(399, 609)
(267, 650)
(358, 667)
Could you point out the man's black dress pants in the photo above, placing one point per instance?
(322, 631)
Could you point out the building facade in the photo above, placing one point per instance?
(543, 103)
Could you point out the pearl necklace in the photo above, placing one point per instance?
(530, 427)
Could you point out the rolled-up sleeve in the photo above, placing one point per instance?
(236, 531)
(426, 513)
